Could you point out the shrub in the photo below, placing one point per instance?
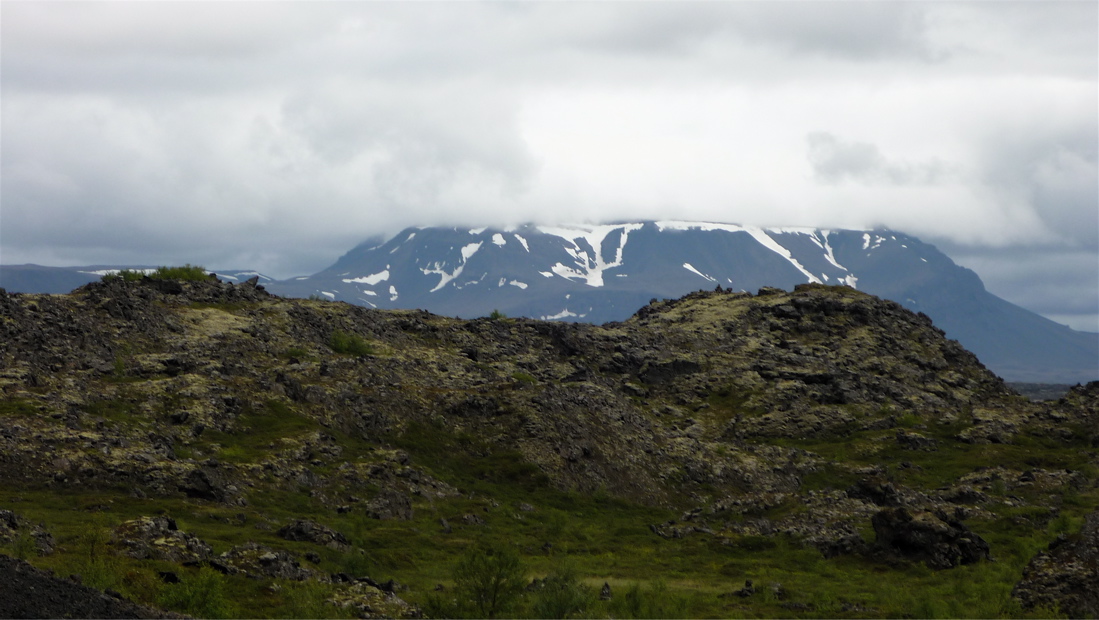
(351, 344)
(201, 595)
(489, 581)
(562, 596)
(126, 275)
(188, 272)
(496, 315)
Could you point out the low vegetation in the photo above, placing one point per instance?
(186, 273)
(718, 456)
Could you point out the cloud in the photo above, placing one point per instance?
(277, 136)
(834, 160)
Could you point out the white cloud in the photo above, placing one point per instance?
(277, 136)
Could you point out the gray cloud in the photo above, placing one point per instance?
(277, 136)
(834, 160)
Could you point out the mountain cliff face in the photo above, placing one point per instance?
(214, 425)
(605, 273)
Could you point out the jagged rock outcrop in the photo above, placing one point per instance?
(159, 538)
(15, 530)
(934, 538)
(1065, 577)
(311, 531)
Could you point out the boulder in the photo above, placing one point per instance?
(13, 527)
(311, 531)
(933, 538)
(1065, 576)
(390, 504)
(256, 560)
(159, 538)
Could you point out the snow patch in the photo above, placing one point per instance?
(766, 241)
(829, 255)
(328, 295)
(522, 241)
(548, 274)
(248, 274)
(111, 272)
(477, 231)
(498, 239)
(410, 236)
(564, 314)
(371, 293)
(589, 268)
(851, 281)
(371, 279)
(392, 293)
(522, 285)
(437, 268)
(469, 250)
(691, 268)
(502, 282)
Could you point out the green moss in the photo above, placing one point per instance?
(255, 432)
(350, 344)
(18, 407)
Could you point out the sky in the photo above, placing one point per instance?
(277, 136)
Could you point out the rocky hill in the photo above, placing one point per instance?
(162, 438)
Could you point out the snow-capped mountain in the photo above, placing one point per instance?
(601, 273)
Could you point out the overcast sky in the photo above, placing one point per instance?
(276, 136)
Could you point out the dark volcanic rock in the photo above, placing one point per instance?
(13, 526)
(1066, 575)
(262, 561)
(311, 531)
(930, 537)
(158, 538)
(390, 504)
(28, 592)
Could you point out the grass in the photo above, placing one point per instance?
(350, 344)
(576, 541)
(256, 431)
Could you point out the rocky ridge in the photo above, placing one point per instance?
(727, 406)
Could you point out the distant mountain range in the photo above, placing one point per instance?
(607, 272)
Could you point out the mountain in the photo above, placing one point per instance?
(605, 273)
(597, 274)
(219, 451)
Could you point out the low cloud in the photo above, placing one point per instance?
(834, 160)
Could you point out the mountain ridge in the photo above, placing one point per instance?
(605, 272)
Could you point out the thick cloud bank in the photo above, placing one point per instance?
(278, 135)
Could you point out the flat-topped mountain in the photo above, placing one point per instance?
(605, 273)
(211, 433)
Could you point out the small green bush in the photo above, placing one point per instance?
(562, 596)
(497, 315)
(489, 581)
(126, 275)
(351, 344)
(188, 272)
(202, 595)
